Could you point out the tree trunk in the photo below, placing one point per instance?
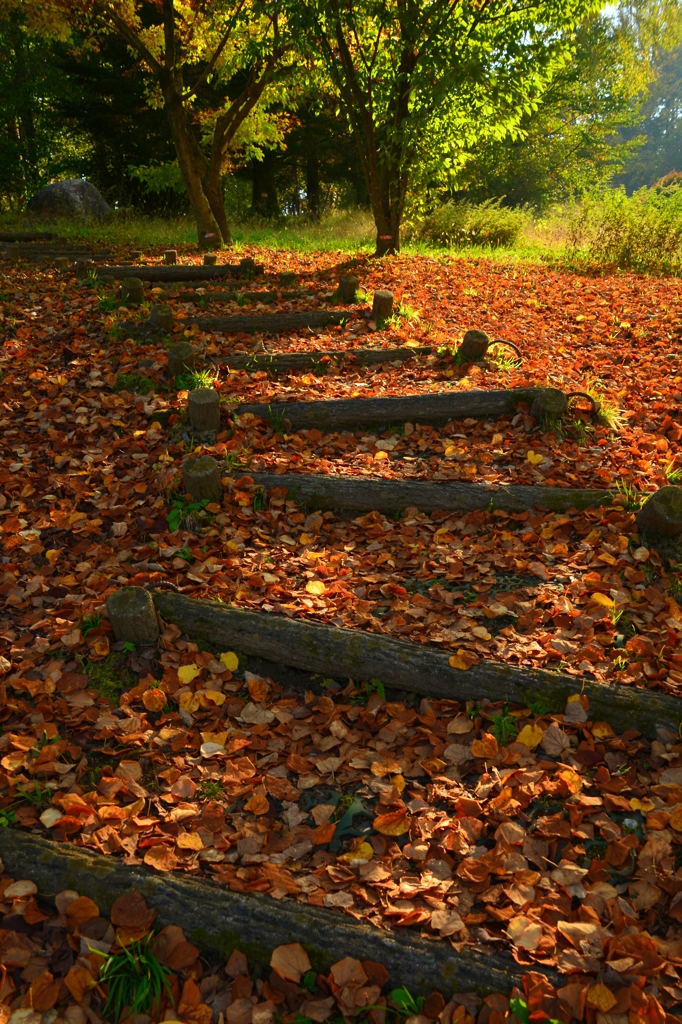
(214, 194)
(190, 159)
(312, 183)
(265, 200)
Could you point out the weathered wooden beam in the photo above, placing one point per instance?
(278, 361)
(219, 921)
(271, 323)
(177, 273)
(26, 236)
(404, 665)
(367, 494)
(348, 413)
(265, 323)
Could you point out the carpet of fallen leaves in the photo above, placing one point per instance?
(58, 954)
(531, 827)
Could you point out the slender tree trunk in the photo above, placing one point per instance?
(189, 159)
(312, 183)
(214, 194)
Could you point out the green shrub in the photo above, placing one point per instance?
(638, 232)
(460, 224)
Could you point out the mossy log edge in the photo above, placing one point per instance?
(219, 921)
(346, 413)
(369, 494)
(275, 323)
(175, 273)
(417, 668)
(265, 323)
(277, 361)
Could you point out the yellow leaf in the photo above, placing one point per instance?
(395, 823)
(189, 702)
(215, 737)
(530, 736)
(485, 747)
(602, 731)
(601, 998)
(572, 780)
(363, 853)
(481, 632)
(189, 841)
(186, 673)
(603, 599)
(381, 457)
(52, 555)
(534, 458)
(230, 661)
(315, 587)
(644, 805)
(457, 661)
(211, 698)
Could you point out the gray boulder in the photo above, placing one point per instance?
(71, 198)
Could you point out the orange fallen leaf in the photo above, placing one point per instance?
(395, 823)
(291, 962)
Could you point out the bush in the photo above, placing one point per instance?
(638, 232)
(461, 224)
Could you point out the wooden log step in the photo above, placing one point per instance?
(178, 273)
(369, 494)
(218, 921)
(266, 323)
(278, 361)
(26, 236)
(417, 668)
(265, 297)
(348, 413)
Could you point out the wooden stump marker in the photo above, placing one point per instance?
(132, 616)
(201, 478)
(204, 410)
(180, 358)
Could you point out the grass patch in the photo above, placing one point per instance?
(134, 382)
(109, 676)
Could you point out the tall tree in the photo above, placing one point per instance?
(421, 80)
(570, 143)
(211, 62)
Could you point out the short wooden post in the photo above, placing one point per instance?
(161, 317)
(132, 616)
(201, 478)
(204, 410)
(180, 358)
(382, 306)
(287, 278)
(210, 259)
(473, 348)
(348, 286)
(170, 256)
(132, 291)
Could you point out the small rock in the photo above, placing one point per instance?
(71, 198)
(661, 515)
